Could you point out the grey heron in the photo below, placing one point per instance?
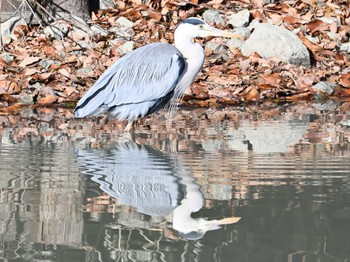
(150, 77)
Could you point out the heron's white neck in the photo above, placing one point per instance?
(192, 52)
(184, 43)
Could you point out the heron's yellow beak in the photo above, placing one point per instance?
(207, 30)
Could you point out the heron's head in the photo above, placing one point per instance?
(195, 27)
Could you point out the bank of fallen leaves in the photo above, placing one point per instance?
(45, 71)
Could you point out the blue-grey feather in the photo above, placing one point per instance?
(138, 84)
(193, 21)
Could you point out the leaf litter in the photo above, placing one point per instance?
(59, 71)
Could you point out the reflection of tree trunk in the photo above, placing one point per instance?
(64, 8)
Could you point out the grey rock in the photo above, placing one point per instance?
(124, 22)
(7, 57)
(57, 30)
(106, 4)
(235, 42)
(123, 33)
(81, 32)
(210, 16)
(240, 19)
(126, 48)
(325, 105)
(46, 63)
(219, 50)
(345, 47)
(25, 99)
(254, 23)
(85, 44)
(328, 20)
(84, 70)
(333, 36)
(215, 47)
(274, 41)
(242, 31)
(97, 30)
(325, 87)
(8, 27)
(35, 86)
(345, 123)
(312, 39)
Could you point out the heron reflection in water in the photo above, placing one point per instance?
(156, 184)
(150, 77)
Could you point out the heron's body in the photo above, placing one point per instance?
(146, 79)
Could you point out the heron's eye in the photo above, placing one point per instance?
(201, 26)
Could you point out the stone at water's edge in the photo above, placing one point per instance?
(325, 87)
(240, 19)
(211, 16)
(275, 41)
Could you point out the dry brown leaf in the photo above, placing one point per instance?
(270, 79)
(9, 87)
(300, 96)
(291, 20)
(30, 71)
(251, 93)
(42, 77)
(68, 90)
(49, 50)
(8, 98)
(48, 99)
(344, 80)
(29, 61)
(64, 72)
(11, 110)
(317, 25)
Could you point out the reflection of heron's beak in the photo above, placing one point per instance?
(211, 31)
(228, 220)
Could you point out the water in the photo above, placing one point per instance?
(261, 183)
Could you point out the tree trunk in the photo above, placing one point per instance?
(65, 8)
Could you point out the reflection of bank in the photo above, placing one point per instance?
(260, 137)
(154, 183)
(39, 201)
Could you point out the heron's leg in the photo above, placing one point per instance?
(130, 126)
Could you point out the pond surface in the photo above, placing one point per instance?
(259, 183)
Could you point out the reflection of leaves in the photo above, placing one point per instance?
(10, 110)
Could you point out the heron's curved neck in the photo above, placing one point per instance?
(184, 43)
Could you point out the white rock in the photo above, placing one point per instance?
(8, 27)
(124, 22)
(325, 87)
(106, 4)
(97, 30)
(345, 47)
(240, 19)
(57, 31)
(274, 41)
(126, 48)
(210, 16)
(7, 57)
(125, 33)
(235, 43)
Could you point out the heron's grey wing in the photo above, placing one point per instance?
(149, 73)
